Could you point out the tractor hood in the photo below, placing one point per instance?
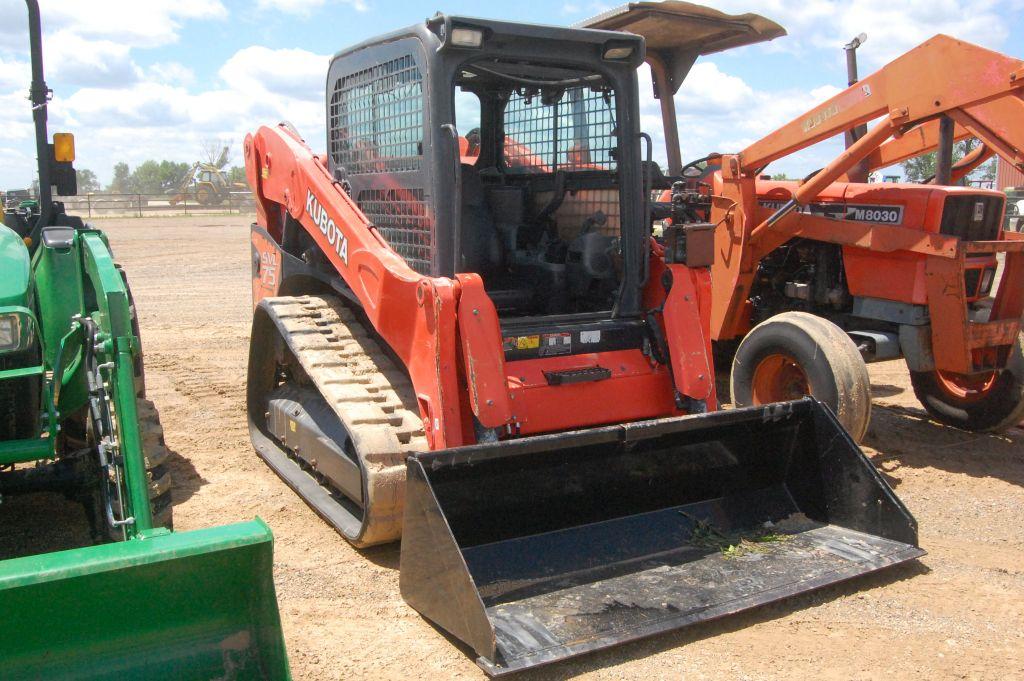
(14, 268)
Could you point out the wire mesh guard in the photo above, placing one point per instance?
(376, 118)
(402, 218)
(579, 205)
(576, 132)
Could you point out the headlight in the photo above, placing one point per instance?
(10, 332)
(15, 332)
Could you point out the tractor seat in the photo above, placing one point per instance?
(481, 247)
(479, 243)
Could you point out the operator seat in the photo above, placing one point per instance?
(480, 245)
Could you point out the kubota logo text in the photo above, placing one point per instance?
(335, 237)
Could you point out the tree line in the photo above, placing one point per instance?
(149, 177)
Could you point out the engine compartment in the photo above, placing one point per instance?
(801, 275)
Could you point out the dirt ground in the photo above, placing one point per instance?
(956, 613)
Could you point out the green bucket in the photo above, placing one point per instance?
(183, 605)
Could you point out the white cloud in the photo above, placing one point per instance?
(15, 118)
(14, 74)
(171, 73)
(708, 90)
(720, 112)
(132, 23)
(89, 45)
(161, 118)
(588, 9)
(290, 72)
(89, 63)
(305, 7)
(892, 27)
(142, 105)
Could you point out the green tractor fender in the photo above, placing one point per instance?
(16, 267)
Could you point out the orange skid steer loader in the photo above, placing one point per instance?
(469, 340)
(812, 279)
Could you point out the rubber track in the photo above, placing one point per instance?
(372, 397)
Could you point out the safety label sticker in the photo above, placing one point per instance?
(555, 344)
(521, 342)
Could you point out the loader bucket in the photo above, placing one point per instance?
(183, 605)
(539, 549)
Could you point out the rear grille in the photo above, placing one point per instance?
(972, 218)
(19, 399)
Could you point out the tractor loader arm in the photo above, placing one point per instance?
(920, 140)
(924, 139)
(414, 314)
(978, 88)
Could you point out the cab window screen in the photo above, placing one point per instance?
(376, 118)
(576, 131)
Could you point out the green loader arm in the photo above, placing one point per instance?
(116, 345)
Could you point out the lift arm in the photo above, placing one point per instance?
(414, 314)
(924, 139)
(978, 88)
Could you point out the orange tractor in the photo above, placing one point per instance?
(812, 279)
(471, 341)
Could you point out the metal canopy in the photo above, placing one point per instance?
(677, 33)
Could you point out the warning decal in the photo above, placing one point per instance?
(555, 344)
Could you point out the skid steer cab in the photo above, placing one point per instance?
(465, 290)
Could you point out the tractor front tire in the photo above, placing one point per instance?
(794, 354)
(155, 452)
(985, 404)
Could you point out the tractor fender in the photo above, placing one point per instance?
(16, 266)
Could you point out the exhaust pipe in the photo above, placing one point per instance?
(539, 549)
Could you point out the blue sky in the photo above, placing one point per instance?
(159, 78)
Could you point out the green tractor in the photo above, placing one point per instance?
(137, 600)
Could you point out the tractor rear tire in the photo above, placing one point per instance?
(988, 404)
(794, 354)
